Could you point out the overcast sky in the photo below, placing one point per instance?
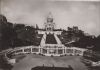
(85, 15)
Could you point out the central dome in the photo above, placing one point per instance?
(50, 17)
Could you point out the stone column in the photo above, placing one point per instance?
(63, 51)
(74, 52)
(31, 49)
(48, 50)
(39, 49)
(57, 50)
(23, 50)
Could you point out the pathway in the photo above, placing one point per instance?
(36, 60)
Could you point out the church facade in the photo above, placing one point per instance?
(49, 26)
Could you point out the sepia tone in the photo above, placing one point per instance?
(49, 35)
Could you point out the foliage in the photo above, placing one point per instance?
(97, 44)
(13, 35)
(78, 37)
(4, 64)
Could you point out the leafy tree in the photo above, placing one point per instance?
(7, 33)
(25, 35)
(97, 44)
(85, 42)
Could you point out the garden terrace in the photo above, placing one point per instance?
(38, 39)
(50, 39)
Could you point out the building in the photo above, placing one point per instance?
(49, 26)
(50, 44)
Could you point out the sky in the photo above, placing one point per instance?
(84, 14)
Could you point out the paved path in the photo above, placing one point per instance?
(57, 39)
(43, 39)
(36, 60)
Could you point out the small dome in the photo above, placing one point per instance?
(49, 17)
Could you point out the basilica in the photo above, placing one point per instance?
(50, 43)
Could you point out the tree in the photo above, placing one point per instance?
(7, 34)
(97, 43)
(84, 42)
(25, 35)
